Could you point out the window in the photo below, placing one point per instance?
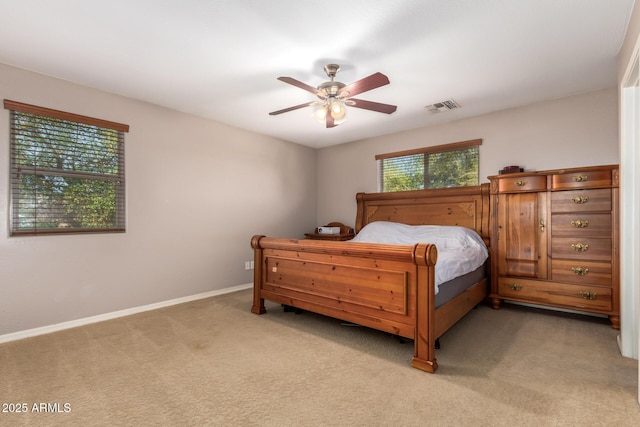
(451, 165)
(67, 172)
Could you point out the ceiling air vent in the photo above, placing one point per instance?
(447, 105)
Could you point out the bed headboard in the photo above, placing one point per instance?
(464, 206)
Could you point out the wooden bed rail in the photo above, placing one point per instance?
(421, 254)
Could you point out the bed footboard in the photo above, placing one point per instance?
(385, 287)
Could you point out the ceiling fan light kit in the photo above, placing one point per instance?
(334, 96)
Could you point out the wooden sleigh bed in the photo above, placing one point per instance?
(381, 286)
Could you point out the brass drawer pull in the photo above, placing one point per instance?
(515, 287)
(580, 223)
(520, 183)
(580, 199)
(580, 247)
(580, 271)
(588, 295)
(542, 226)
(580, 178)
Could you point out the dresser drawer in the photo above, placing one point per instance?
(581, 272)
(581, 224)
(581, 179)
(577, 248)
(556, 294)
(581, 201)
(522, 183)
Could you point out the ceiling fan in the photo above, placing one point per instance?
(333, 96)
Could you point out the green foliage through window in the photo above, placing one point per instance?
(65, 176)
(433, 169)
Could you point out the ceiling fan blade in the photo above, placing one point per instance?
(330, 122)
(295, 107)
(373, 106)
(299, 84)
(368, 83)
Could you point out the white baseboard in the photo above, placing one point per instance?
(14, 336)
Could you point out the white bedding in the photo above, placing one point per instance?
(460, 249)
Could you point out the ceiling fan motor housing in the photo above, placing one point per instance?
(330, 89)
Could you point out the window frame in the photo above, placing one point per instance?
(120, 196)
(426, 151)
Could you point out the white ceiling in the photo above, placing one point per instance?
(220, 58)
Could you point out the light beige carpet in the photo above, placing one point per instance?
(212, 362)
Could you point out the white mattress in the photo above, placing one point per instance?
(460, 249)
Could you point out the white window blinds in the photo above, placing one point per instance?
(450, 165)
(67, 172)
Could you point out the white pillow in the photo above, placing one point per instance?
(443, 236)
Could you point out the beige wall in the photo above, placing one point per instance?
(568, 132)
(197, 191)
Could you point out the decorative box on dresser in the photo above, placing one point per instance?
(557, 235)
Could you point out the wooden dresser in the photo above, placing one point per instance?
(555, 239)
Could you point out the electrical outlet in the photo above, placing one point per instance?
(248, 265)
